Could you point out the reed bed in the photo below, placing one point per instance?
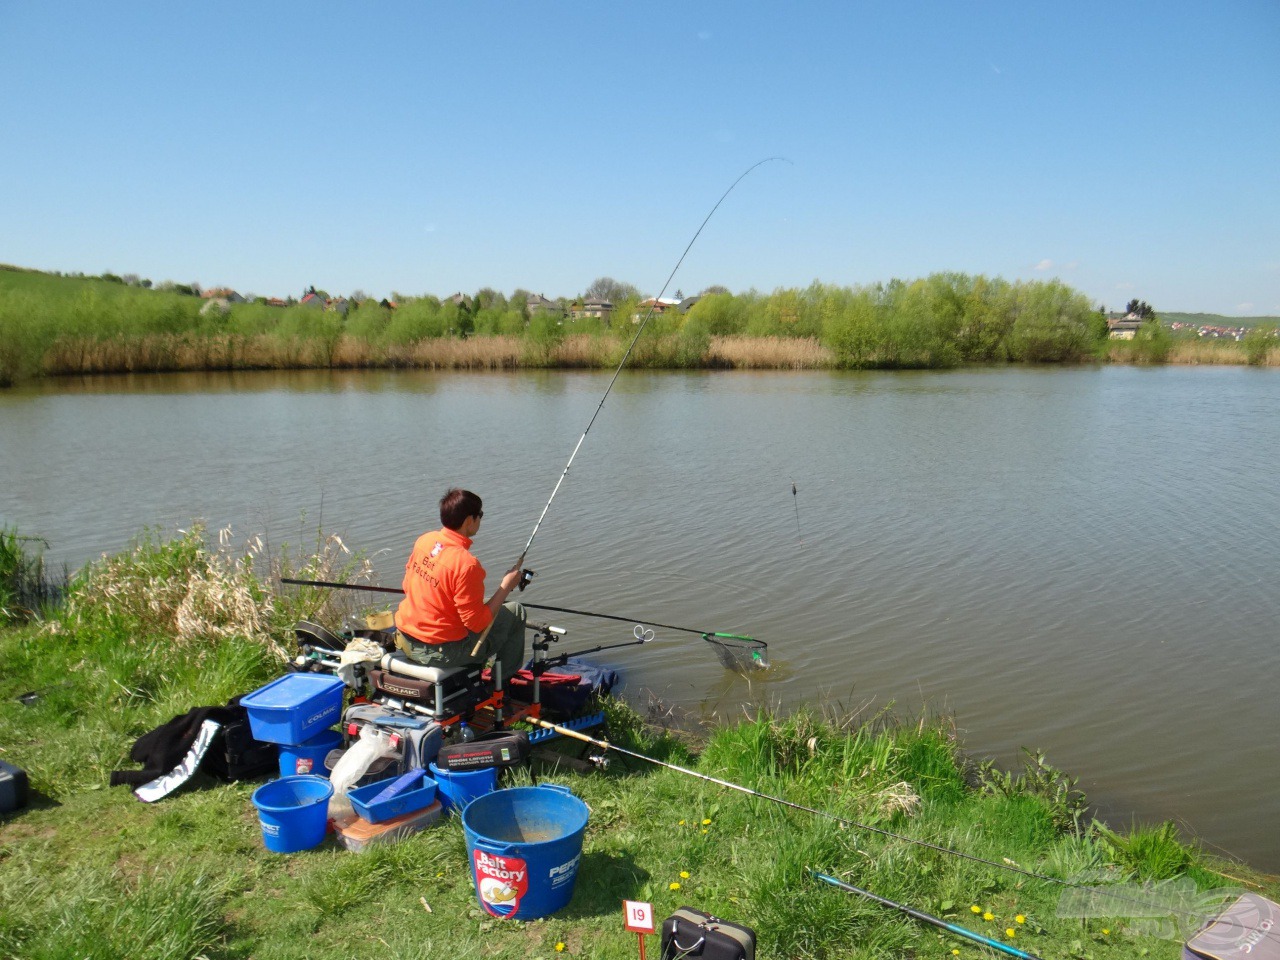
(769, 353)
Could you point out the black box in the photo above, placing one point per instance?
(692, 933)
(14, 788)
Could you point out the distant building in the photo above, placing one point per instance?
(1125, 327)
(312, 299)
(595, 307)
(536, 303)
(658, 305)
(223, 293)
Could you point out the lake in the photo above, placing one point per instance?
(1081, 561)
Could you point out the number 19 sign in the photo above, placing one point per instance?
(638, 918)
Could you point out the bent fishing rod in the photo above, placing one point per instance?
(626, 356)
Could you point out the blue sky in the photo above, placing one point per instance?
(1130, 149)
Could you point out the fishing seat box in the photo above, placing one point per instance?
(692, 933)
(15, 789)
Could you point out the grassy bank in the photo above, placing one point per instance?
(88, 871)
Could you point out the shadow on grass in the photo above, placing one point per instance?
(604, 881)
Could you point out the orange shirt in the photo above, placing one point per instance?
(443, 590)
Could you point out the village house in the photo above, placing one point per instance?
(1125, 327)
(595, 307)
(536, 303)
(658, 305)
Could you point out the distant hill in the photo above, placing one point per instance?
(1214, 319)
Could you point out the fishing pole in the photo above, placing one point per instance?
(926, 917)
(625, 356)
(1006, 865)
(735, 650)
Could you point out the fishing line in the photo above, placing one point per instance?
(1006, 865)
(631, 347)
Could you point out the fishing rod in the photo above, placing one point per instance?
(926, 917)
(625, 356)
(1006, 865)
(735, 650)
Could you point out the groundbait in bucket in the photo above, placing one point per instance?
(525, 844)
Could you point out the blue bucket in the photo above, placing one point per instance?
(308, 757)
(294, 812)
(525, 845)
(457, 788)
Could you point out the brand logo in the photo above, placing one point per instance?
(501, 882)
(565, 872)
(317, 717)
(402, 691)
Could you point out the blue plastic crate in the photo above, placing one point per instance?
(294, 708)
(414, 797)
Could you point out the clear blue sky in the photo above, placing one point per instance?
(1130, 148)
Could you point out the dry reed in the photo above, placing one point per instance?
(769, 353)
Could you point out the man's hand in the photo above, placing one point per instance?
(511, 579)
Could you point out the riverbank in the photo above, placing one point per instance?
(56, 326)
(171, 625)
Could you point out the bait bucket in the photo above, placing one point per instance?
(525, 844)
(293, 812)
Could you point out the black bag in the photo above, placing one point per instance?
(236, 755)
(499, 748)
(692, 933)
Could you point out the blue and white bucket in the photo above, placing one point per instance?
(308, 756)
(293, 812)
(457, 788)
(525, 845)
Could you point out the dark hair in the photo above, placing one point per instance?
(456, 505)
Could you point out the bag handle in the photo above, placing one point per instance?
(683, 950)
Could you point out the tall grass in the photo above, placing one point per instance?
(27, 587)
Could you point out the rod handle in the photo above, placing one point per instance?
(566, 732)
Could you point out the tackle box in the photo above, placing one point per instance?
(418, 793)
(358, 835)
(294, 708)
(14, 787)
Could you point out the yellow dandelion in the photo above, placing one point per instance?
(1020, 919)
(1105, 931)
(673, 885)
(681, 823)
(704, 829)
(706, 823)
(560, 947)
(1010, 932)
(684, 874)
(988, 915)
(955, 952)
(976, 909)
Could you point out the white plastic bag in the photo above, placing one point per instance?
(355, 763)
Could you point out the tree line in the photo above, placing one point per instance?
(942, 320)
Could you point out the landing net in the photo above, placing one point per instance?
(739, 653)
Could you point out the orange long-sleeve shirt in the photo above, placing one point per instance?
(443, 590)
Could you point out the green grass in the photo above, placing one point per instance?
(87, 871)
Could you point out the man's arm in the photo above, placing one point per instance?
(510, 580)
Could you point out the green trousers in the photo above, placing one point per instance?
(505, 642)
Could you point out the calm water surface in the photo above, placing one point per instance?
(1081, 561)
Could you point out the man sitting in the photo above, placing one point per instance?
(444, 613)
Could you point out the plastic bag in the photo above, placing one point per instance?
(355, 763)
